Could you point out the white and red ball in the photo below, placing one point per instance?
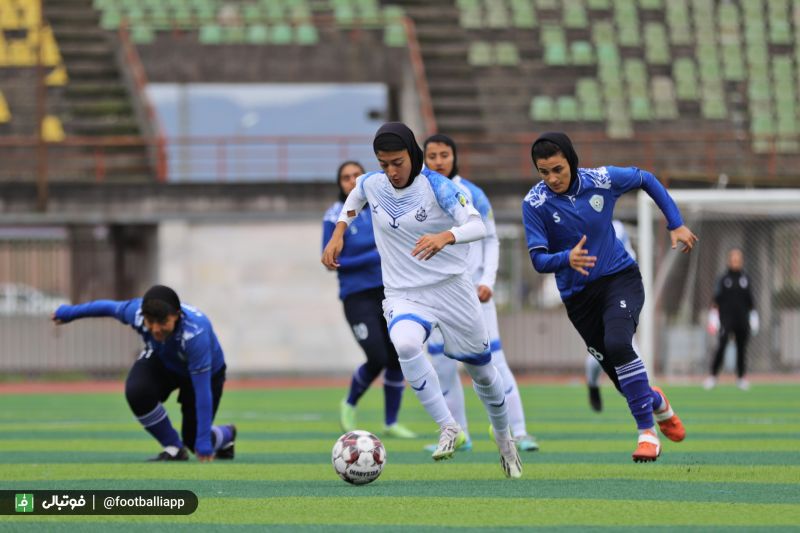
(358, 457)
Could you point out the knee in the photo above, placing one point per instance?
(406, 348)
(619, 347)
(139, 396)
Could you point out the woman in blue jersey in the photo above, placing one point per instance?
(361, 292)
(568, 226)
(181, 352)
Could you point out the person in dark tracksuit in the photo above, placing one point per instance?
(181, 352)
(568, 226)
(361, 292)
(733, 302)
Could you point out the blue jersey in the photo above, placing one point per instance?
(554, 223)
(192, 351)
(359, 263)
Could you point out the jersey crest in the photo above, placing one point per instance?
(596, 201)
(421, 215)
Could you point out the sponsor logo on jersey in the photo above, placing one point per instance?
(596, 201)
(461, 199)
(421, 215)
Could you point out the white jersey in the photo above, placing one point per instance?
(484, 254)
(431, 204)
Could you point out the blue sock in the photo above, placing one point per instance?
(362, 378)
(393, 386)
(657, 400)
(220, 436)
(157, 423)
(636, 388)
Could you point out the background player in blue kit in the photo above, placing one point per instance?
(568, 227)
(181, 352)
(361, 292)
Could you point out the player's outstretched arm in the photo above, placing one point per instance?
(96, 308)
(330, 255)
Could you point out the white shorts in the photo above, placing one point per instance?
(436, 343)
(451, 306)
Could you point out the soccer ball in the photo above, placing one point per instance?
(358, 457)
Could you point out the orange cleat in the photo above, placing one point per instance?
(669, 423)
(649, 448)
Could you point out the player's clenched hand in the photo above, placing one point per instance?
(685, 236)
(579, 258)
(57, 321)
(330, 256)
(205, 458)
(429, 245)
(484, 293)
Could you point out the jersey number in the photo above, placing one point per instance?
(597, 355)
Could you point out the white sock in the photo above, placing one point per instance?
(593, 369)
(408, 337)
(489, 386)
(516, 414)
(453, 392)
(422, 379)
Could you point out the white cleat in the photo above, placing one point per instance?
(743, 384)
(709, 383)
(451, 438)
(509, 456)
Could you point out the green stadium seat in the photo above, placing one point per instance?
(598, 4)
(581, 53)
(555, 45)
(640, 108)
(395, 34)
(762, 125)
(574, 14)
(733, 67)
(281, 34)
(507, 54)
(685, 75)
(590, 99)
(664, 104)
(252, 14)
(471, 17)
(567, 108)
(480, 54)
(713, 107)
(306, 34)
(496, 14)
(627, 21)
(619, 126)
(210, 34)
(603, 33)
(110, 19)
(542, 109)
(677, 14)
(233, 34)
(656, 46)
(636, 77)
(141, 34)
(522, 14)
(257, 34)
(547, 4)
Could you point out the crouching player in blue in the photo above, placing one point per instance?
(568, 226)
(181, 352)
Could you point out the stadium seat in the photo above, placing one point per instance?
(5, 113)
(506, 54)
(52, 130)
(567, 108)
(211, 34)
(257, 34)
(523, 15)
(656, 46)
(542, 109)
(470, 15)
(306, 34)
(395, 34)
(574, 14)
(665, 106)
(496, 14)
(547, 4)
(480, 54)
(281, 34)
(555, 45)
(598, 4)
(677, 14)
(581, 53)
(651, 4)
(627, 21)
(590, 99)
(141, 34)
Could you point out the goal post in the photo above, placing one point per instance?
(765, 224)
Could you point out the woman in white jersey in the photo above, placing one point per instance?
(441, 156)
(417, 215)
